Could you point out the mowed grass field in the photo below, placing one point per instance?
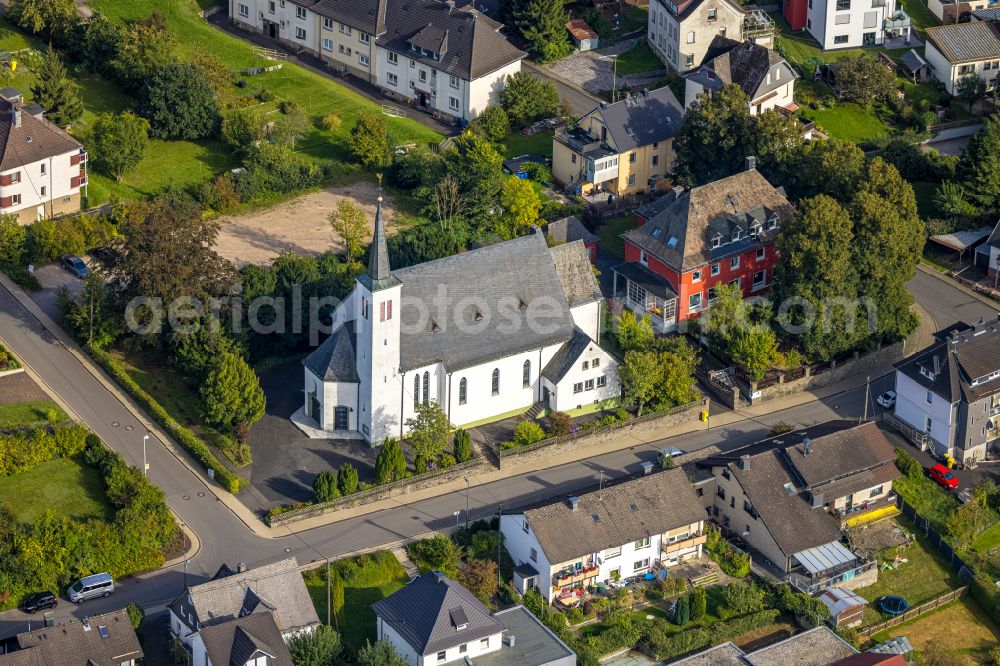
(63, 485)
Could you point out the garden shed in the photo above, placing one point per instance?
(846, 607)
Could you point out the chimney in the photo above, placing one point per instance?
(954, 340)
(574, 502)
(745, 462)
(750, 163)
(15, 113)
(647, 467)
(510, 640)
(86, 623)
(817, 500)
(807, 445)
(937, 364)
(241, 567)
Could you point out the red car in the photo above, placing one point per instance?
(944, 477)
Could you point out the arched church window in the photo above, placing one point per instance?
(496, 381)
(427, 387)
(526, 375)
(463, 390)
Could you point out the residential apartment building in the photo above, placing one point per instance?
(962, 49)
(844, 24)
(680, 33)
(99, 639)
(946, 10)
(613, 533)
(428, 53)
(265, 606)
(949, 393)
(787, 497)
(691, 242)
(620, 148)
(766, 77)
(42, 168)
(434, 620)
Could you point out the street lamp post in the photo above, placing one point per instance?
(145, 465)
(467, 485)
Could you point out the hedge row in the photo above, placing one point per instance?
(184, 436)
(666, 645)
(23, 450)
(7, 360)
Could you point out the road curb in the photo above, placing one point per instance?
(923, 268)
(191, 552)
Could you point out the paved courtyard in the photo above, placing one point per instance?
(594, 70)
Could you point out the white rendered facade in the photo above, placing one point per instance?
(847, 24)
(472, 649)
(926, 411)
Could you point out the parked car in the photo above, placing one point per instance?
(40, 601)
(106, 255)
(944, 477)
(887, 399)
(91, 587)
(74, 265)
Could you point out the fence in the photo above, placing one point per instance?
(915, 612)
(976, 287)
(393, 111)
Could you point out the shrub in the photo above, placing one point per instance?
(420, 464)
(682, 612)
(135, 614)
(331, 122)
(347, 479)
(559, 423)
(538, 172)
(439, 553)
(908, 465)
(446, 460)
(667, 644)
(23, 450)
(699, 603)
(528, 432)
(463, 445)
(744, 598)
(325, 486)
(287, 106)
(390, 465)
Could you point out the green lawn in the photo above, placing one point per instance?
(929, 500)
(638, 59)
(921, 17)
(800, 46)
(536, 144)
(64, 485)
(356, 622)
(20, 413)
(315, 94)
(925, 576)
(610, 232)
(849, 121)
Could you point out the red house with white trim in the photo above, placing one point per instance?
(690, 242)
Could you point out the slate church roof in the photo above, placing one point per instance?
(433, 613)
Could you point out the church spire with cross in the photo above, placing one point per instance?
(379, 275)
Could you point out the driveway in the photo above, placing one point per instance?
(51, 278)
(594, 71)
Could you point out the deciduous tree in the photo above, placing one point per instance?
(527, 98)
(320, 647)
(380, 653)
(428, 430)
(715, 137)
(864, 79)
(520, 205)
(143, 49)
(117, 143)
(493, 123)
(58, 95)
(755, 348)
(970, 89)
(640, 375)
(480, 578)
(232, 395)
(350, 226)
(369, 141)
(179, 103)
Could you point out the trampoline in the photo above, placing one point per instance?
(893, 605)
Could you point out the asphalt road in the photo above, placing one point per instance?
(225, 539)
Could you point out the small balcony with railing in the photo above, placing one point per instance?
(78, 158)
(682, 542)
(575, 574)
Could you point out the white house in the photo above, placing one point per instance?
(681, 33)
(432, 54)
(766, 78)
(963, 49)
(950, 392)
(207, 618)
(434, 620)
(42, 168)
(616, 532)
(846, 24)
(484, 334)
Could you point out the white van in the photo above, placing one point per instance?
(91, 587)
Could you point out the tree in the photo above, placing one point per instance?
(477, 168)
(634, 333)
(118, 142)
(520, 205)
(336, 592)
(864, 79)
(816, 267)
(715, 137)
(38, 16)
(390, 465)
(755, 348)
(952, 200)
(428, 430)
(438, 553)
(463, 445)
(979, 168)
(179, 103)
(831, 167)
(198, 352)
(640, 374)
(728, 315)
(347, 479)
(775, 139)
(698, 603)
(13, 240)
(242, 128)
(168, 252)
(526, 98)
(381, 653)
(678, 361)
(449, 204)
(325, 486)
(232, 395)
(135, 614)
(971, 88)
(744, 598)
(369, 141)
(58, 95)
(682, 611)
(320, 647)
(89, 313)
(144, 48)
(542, 23)
(493, 123)
(350, 226)
(480, 578)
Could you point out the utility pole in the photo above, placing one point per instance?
(467, 486)
(145, 465)
(90, 337)
(329, 594)
(868, 380)
(499, 543)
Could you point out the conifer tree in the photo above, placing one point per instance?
(58, 95)
(543, 24)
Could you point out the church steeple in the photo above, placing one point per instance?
(378, 257)
(379, 275)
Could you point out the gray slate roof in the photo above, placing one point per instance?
(988, 14)
(71, 645)
(642, 119)
(576, 273)
(36, 139)
(569, 229)
(955, 362)
(274, 587)
(746, 65)
(237, 641)
(664, 501)
(679, 235)
(565, 358)
(966, 42)
(505, 288)
(365, 15)
(422, 614)
(913, 61)
(334, 360)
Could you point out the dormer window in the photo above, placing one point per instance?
(737, 234)
(716, 241)
(777, 74)
(926, 372)
(772, 221)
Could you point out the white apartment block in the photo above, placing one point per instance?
(42, 168)
(427, 53)
(681, 33)
(847, 24)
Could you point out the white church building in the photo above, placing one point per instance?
(485, 334)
